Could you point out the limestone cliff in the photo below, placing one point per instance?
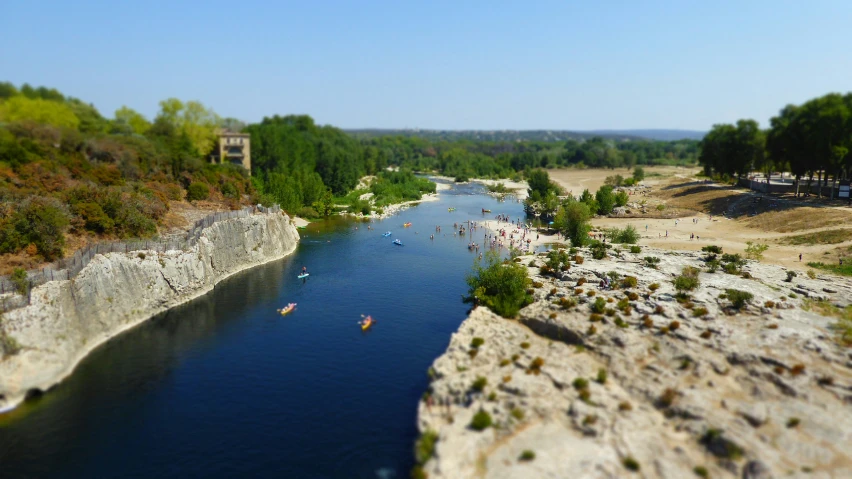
(653, 387)
(116, 291)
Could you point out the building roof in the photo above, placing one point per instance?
(232, 133)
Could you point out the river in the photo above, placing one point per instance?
(224, 386)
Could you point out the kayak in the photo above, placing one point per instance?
(451, 209)
(406, 224)
(303, 275)
(386, 234)
(287, 309)
(397, 242)
(486, 211)
(367, 323)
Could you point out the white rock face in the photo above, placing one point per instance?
(724, 391)
(116, 291)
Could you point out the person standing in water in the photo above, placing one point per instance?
(304, 270)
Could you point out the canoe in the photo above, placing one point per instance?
(386, 234)
(287, 309)
(397, 242)
(365, 325)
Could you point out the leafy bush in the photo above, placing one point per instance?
(628, 235)
(424, 448)
(621, 198)
(630, 464)
(500, 287)
(20, 280)
(197, 191)
(598, 306)
(652, 261)
(635, 249)
(790, 276)
(629, 282)
(307, 212)
(602, 376)
(755, 250)
(738, 298)
(527, 455)
(638, 173)
(477, 342)
(481, 421)
(688, 280)
(479, 384)
(712, 249)
(598, 250)
(572, 219)
(36, 220)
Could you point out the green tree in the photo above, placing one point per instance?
(21, 108)
(193, 120)
(638, 173)
(573, 221)
(605, 199)
(135, 120)
(621, 198)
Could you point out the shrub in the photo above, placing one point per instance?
(578, 259)
(535, 366)
(472, 353)
(502, 288)
(632, 296)
(590, 293)
(755, 250)
(738, 298)
(659, 309)
(536, 284)
(667, 398)
(552, 291)
(595, 317)
(197, 191)
(20, 280)
(793, 422)
(567, 303)
(769, 304)
(625, 406)
(654, 286)
(479, 384)
(527, 455)
(590, 419)
(706, 334)
(631, 464)
(688, 279)
(629, 282)
(477, 342)
(580, 383)
(712, 249)
(578, 290)
(601, 376)
(628, 235)
(790, 276)
(581, 281)
(652, 261)
(517, 413)
(701, 471)
(507, 378)
(532, 263)
(552, 315)
(609, 312)
(141, 255)
(811, 274)
(525, 345)
(699, 312)
(592, 330)
(598, 250)
(504, 362)
(515, 357)
(797, 369)
(635, 249)
(481, 421)
(720, 446)
(647, 321)
(424, 448)
(674, 325)
(598, 306)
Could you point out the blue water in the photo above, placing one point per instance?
(224, 386)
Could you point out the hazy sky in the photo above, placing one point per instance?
(439, 64)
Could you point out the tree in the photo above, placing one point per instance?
(539, 182)
(21, 108)
(621, 198)
(135, 120)
(192, 119)
(638, 174)
(573, 221)
(605, 199)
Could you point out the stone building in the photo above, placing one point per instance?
(234, 148)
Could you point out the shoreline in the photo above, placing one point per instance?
(50, 292)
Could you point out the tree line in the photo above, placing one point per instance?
(811, 139)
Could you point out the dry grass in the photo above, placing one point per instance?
(796, 219)
(820, 237)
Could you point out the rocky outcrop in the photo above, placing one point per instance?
(116, 291)
(664, 389)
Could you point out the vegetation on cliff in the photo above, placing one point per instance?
(501, 286)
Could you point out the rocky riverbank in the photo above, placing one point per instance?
(650, 387)
(43, 342)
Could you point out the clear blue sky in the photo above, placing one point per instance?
(439, 64)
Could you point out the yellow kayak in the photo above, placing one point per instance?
(367, 323)
(287, 309)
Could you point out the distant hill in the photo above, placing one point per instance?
(529, 135)
(661, 134)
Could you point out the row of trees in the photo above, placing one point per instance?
(812, 139)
